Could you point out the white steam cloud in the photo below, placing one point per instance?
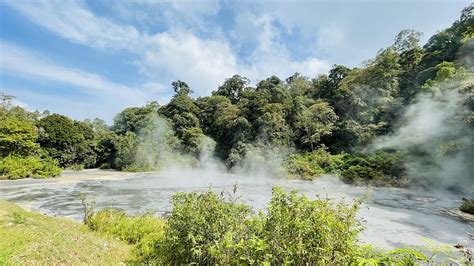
(436, 133)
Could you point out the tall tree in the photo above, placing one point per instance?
(315, 122)
(232, 88)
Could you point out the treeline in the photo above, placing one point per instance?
(327, 119)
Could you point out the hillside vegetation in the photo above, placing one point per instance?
(360, 123)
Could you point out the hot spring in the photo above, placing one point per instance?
(393, 217)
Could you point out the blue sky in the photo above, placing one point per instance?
(90, 59)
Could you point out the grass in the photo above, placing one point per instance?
(31, 238)
(144, 231)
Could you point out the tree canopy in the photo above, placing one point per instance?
(341, 111)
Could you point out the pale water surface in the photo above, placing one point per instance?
(393, 217)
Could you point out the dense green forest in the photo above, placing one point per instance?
(333, 123)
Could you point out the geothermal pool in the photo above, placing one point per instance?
(393, 217)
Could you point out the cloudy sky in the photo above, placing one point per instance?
(91, 59)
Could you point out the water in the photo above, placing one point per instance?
(393, 217)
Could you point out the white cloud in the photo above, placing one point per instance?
(349, 32)
(168, 12)
(200, 62)
(174, 54)
(271, 57)
(205, 63)
(73, 21)
(63, 105)
(21, 62)
(106, 97)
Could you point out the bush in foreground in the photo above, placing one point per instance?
(144, 231)
(14, 167)
(209, 228)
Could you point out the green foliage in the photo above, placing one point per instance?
(153, 146)
(132, 119)
(315, 122)
(18, 134)
(144, 231)
(232, 88)
(272, 126)
(467, 206)
(300, 231)
(205, 228)
(379, 166)
(14, 167)
(398, 256)
(192, 139)
(212, 229)
(105, 142)
(126, 151)
(69, 142)
(181, 88)
(446, 45)
(430, 254)
(310, 165)
(197, 223)
(444, 71)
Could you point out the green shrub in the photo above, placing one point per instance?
(300, 166)
(360, 172)
(75, 167)
(399, 256)
(145, 231)
(198, 222)
(313, 164)
(467, 206)
(14, 167)
(245, 245)
(379, 166)
(301, 231)
(210, 229)
(205, 228)
(49, 168)
(105, 166)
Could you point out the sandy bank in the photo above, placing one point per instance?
(69, 176)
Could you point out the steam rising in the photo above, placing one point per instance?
(156, 149)
(153, 149)
(436, 132)
(263, 161)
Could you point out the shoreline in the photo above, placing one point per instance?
(71, 176)
(387, 212)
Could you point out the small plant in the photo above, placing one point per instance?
(198, 223)
(303, 231)
(467, 206)
(76, 167)
(144, 231)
